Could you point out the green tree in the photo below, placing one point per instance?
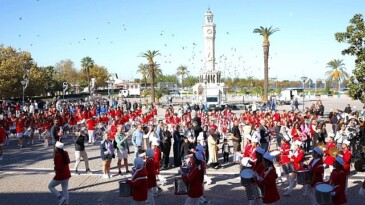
(182, 71)
(266, 33)
(337, 72)
(191, 80)
(65, 71)
(87, 63)
(167, 78)
(355, 36)
(13, 66)
(150, 55)
(143, 70)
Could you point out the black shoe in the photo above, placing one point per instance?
(76, 172)
(120, 172)
(88, 171)
(127, 172)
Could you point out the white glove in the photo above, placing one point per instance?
(333, 193)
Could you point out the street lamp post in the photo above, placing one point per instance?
(65, 86)
(304, 79)
(25, 85)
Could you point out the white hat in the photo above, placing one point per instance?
(268, 156)
(260, 150)
(332, 135)
(150, 152)
(318, 150)
(200, 136)
(346, 142)
(254, 139)
(340, 160)
(155, 143)
(59, 145)
(299, 143)
(138, 162)
(200, 148)
(287, 138)
(199, 155)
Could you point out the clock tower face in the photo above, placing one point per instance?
(209, 31)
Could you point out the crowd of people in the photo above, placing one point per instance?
(194, 136)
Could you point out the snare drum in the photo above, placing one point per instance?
(288, 168)
(125, 189)
(180, 186)
(245, 163)
(323, 193)
(303, 177)
(253, 192)
(246, 177)
(276, 154)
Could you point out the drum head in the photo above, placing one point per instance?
(275, 153)
(324, 187)
(245, 162)
(246, 173)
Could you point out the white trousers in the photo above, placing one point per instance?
(91, 136)
(150, 197)
(192, 201)
(64, 185)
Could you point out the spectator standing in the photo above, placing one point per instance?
(137, 137)
(80, 151)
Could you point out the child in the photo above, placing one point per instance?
(338, 180)
(151, 175)
(185, 150)
(225, 151)
(138, 182)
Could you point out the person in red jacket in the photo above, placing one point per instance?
(316, 169)
(338, 180)
(63, 174)
(195, 179)
(346, 156)
(297, 158)
(268, 180)
(139, 182)
(151, 175)
(328, 159)
(259, 168)
(2, 140)
(157, 159)
(284, 155)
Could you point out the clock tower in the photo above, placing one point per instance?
(209, 42)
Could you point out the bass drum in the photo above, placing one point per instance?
(125, 189)
(360, 165)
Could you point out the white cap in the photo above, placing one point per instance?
(155, 143)
(268, 156)
(340, 160)
(260, 150)
(318, 150)
(346, 142)
(59, 145)
(200, 148)
(299, 143)
(199, 155)
(150, 152)
(138, 162)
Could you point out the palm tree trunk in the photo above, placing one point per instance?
(266, 46)
(152, 71)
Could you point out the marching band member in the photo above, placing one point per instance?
(338, 180)
(297, 158)
(268, 181)
(346, 156)
(151, 175)
(316, 169)
(248, 148)
(284, 155)
(328, 160)
(139, 182)
(195, 180)
(258, 168)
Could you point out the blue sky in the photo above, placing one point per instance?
(114, 33)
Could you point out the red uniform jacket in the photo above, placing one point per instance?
(91, 124)
(195, 180)
(62, 170)
(2, 135)
(284, 157)
(347, 159)
(259, 168)
(338, 178)
(329, 160)
(139, 185)
(151, 172)
(298, 159)
(317, 171)
(247, 151)
(157, 159)
(271, 193)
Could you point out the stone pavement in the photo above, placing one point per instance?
(25, 174)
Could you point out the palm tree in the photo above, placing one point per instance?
(182, 70)
(266, 32)
(143, 69)
(337, 72)
(87, 63)
(149, 55)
